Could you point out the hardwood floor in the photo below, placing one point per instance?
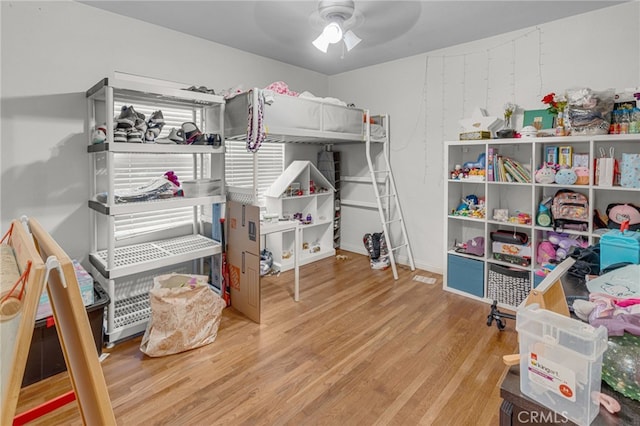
(358, 349)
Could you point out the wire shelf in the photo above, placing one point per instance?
(133, 310)
(141, 257)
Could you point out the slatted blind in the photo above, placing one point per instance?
(135, 170)
(239, 166)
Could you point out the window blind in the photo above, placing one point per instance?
(239, 166)
(135, 170)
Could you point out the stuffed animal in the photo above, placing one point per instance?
(469, 203)
(564, 242)
(582, 174)
(566, 177)
(479, 164)
(546, 252)
(99, 134)
(545, 175)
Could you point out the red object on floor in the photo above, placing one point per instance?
(45, 408)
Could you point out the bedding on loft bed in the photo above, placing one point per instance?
(265, 115)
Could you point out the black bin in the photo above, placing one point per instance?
(45, 354)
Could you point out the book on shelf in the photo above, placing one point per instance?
(509, 170)
(513, 172)
(491, 152)
(501, 177)
(565, 156)
(523, 172)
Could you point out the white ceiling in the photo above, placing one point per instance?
(284, 30)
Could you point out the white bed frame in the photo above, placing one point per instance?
(296, 119)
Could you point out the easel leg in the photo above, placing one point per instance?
(43, 409)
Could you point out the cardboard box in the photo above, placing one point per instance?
(512, 249)
(476, 135)
(516, 254)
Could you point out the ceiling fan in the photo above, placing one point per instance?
(339, 17)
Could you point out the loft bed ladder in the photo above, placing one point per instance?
(387, 197)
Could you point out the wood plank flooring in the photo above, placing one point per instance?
(358, 349)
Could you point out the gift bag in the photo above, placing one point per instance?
(185, 314)
(630, 171)
(605, 168)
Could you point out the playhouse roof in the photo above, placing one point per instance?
(293, 173)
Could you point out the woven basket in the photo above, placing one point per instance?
(508, 286)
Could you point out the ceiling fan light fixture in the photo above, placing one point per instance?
(336, 13)
(321, 43)
(351, 40)
(332, 32)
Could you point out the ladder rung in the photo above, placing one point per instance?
(387, 196)
(400, 246)
(393, 220)
(381, 171)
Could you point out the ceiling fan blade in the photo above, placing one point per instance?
(351, 40)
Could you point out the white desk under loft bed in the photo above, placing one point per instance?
(267, 228)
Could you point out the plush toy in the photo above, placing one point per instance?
(564, 242)
(546, 252)
(479, 164)
(545, 175)
(99, 134)
(457, 173)
(469, 203)
(582, 174)
(566, 177)
(471, 206)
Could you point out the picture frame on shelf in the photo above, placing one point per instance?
(541, 119)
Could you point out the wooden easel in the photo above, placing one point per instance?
(548, 295)
(73, 328)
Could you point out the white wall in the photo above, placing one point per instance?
(599, 50)
(52, 52)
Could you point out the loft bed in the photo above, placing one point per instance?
(263, 116)
(259, 116)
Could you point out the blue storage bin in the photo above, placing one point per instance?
(465, 274)
(617, 247)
